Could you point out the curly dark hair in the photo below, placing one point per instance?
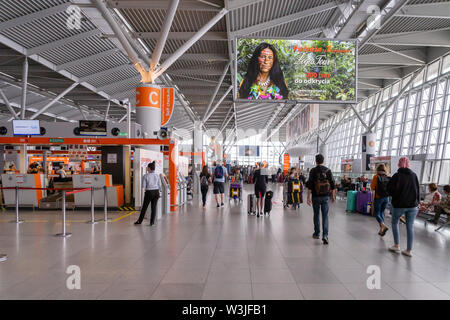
(276, 74)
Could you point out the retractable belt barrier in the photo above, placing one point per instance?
(65, 192)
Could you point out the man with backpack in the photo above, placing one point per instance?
(220, 174)
(379, 184)
(320, 186)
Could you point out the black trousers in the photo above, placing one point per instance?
(151, 196)
(204, 190)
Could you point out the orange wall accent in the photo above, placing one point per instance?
(148, 97)
(37, 182)
(84, 141)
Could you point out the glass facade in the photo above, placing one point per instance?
(268, 151)
(417, 123)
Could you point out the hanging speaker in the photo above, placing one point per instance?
(3, 131)
(76, 131)
(115, 131)
(42, 130)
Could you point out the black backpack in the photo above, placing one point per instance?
(382, 183)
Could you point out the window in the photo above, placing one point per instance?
(417, 123)
(432, 70)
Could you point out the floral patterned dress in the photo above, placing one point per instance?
(272, 93)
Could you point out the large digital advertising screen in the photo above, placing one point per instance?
(317, 71)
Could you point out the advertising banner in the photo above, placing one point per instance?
(286, 163)
(249, 151)
(183, 165)
(301, 70)
(141, 159)
(305, 121)
(167, 105)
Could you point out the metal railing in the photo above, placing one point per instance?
(65, 192)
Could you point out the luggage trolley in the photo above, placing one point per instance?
(235, 192)
(292, 193)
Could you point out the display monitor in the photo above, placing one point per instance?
(26, 128)
(274, 70)
(93, 128)
(249, 151)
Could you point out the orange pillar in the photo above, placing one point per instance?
(173, 172)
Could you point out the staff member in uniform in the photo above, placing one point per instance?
(152, 184)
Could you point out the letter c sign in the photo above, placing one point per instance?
(148, 97)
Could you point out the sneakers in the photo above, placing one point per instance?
(218, 205)
(394, 249)
(137, 222)
(325, 240)
(221, 204)
(315, 236)
(407, 253)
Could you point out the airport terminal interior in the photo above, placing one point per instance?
(225, 149)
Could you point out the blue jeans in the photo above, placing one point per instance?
(379, 206)
(318, 204)
(410, 214)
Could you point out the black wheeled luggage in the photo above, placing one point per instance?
(268, 202)
(251, 204)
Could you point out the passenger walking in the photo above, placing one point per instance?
(320, 186)
(404, 189)
(379, 184)
(152, 184)
(205, 180)
(260, 189)
(220, 176)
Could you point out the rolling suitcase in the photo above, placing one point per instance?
(268, 202)
(251, 204)
(351, 201)
(362, 198)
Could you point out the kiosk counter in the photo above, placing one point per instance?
(83, 199)
(26, 197)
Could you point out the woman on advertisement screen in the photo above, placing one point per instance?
(264, 79)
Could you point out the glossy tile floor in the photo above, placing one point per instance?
(218, 254)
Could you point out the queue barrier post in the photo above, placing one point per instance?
(17, 207)
(63, 234)
(92, 221)
(106, 204)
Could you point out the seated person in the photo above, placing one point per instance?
(441, 207)
(95, 170)
(364, 181)
(61, 173)
(431, 199)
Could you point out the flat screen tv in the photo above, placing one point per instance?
(26, 128)
(93, 128)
